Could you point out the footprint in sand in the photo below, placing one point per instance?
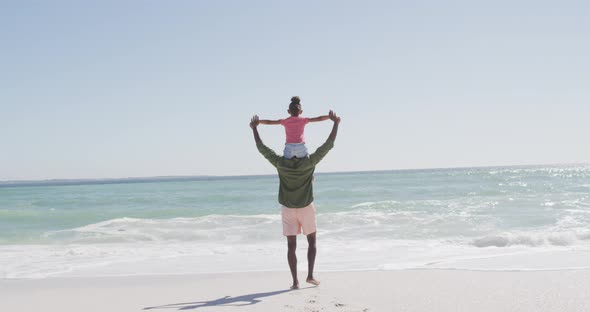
(346, 307)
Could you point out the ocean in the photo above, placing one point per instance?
(495, 218)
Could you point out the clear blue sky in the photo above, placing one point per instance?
(95, 89)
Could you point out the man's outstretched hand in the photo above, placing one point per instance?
(336, 121)
(254, 122)
(333, 117)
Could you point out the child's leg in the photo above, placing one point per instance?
(295, 150)
(288, 151)
(300, 150)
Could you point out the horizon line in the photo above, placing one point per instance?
(138, 179)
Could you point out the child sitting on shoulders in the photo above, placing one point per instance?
(294, 128)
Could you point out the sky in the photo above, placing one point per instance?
(112, 89)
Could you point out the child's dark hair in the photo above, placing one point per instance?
(294, 106)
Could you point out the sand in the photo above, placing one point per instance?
(403, 290)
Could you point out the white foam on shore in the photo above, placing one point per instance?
(74, 260)
(534, 239)
(354, 240)
(217, 228)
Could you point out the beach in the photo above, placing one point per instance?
(403, 290)
(163, 156)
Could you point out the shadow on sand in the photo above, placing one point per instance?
(242, 300)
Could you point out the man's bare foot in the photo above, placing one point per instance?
(312, 281)
(295, 286)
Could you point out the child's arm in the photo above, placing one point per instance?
(319, 118)
(269, 122)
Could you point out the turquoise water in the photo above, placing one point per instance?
(504, 198)
(501, 207)
(26, 213)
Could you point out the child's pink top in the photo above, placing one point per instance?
(294, 127)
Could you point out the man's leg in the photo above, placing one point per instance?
(292, 258)
(311, 251)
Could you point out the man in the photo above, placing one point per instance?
(296, 196)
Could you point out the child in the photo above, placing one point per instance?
(294, 127)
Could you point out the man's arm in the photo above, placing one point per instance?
(269, 154)
(269, 122)
(319, 118)
(336, 121)
(254, 125)
(319, 154)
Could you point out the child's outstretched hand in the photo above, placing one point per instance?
(334, 117)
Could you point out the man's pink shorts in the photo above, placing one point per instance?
(296, 218)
